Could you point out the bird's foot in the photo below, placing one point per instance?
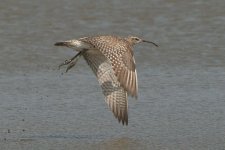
(71, 65)
(66, 62)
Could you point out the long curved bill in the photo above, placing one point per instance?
(151, 43)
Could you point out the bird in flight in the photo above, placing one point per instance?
(112, 60)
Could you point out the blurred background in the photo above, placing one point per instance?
(181, 103)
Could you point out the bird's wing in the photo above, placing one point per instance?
(120, 55)
(115, 95)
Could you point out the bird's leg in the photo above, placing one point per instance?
(72, 64)
(66, 62)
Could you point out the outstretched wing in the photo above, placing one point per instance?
(115, 95)
(120, 55)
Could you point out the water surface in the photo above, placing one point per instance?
(181, 103)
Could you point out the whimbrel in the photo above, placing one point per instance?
(112, 61)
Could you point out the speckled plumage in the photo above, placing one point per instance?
(112, 61)
(115, 95)
(119, 52)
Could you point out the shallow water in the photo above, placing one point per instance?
(181, 103)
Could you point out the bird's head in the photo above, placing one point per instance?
(135, 40)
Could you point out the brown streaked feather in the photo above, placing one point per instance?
(115, 95)
(120, 55)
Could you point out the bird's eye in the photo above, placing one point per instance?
(137, 39)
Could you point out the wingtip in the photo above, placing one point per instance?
(122, 118)
(124, 122)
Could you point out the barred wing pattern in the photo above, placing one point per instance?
(115, 95)
(119, 53)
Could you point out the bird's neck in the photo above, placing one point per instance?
(130, 41)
